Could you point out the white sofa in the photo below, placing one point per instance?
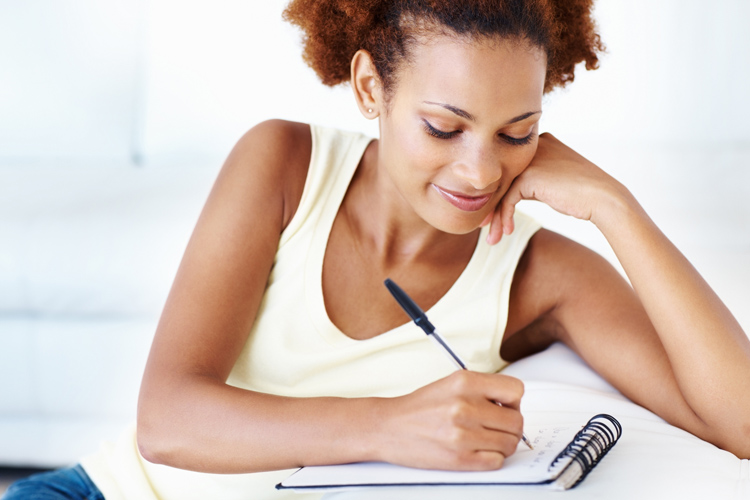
(87, 256)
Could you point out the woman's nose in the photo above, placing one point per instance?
(480, 168)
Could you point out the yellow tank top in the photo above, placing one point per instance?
(295, 350)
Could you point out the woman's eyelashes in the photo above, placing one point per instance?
(440, 134)
(518, 142)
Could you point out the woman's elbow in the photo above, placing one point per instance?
(739, 443)
(149, 442)
(734, 439)
(155, 435)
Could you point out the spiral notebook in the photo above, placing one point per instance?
(562, 457)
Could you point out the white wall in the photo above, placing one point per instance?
(675, 73)
(67, 80)
(180, 80)
(216, 69)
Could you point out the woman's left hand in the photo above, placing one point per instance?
(562, 179)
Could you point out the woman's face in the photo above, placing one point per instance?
(462, 124)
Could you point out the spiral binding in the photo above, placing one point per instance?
(590, 444)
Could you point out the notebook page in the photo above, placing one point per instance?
(524, 466)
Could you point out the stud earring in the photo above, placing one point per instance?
(369, 110)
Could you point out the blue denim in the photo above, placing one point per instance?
(68, 484)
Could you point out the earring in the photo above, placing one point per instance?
(369, 110)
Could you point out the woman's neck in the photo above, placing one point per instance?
(381, 221)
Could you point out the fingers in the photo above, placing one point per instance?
(466, 421)
(496, 227)
(485, 418)
(479, 441)
(508, 209)
(481, 450)
(487, 460)
(502, 217)
(502, 389)
(522, 188)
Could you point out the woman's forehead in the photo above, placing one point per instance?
(451, 68)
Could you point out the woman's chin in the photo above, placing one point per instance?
(461, 224)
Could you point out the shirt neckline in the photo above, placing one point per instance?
(313, 282)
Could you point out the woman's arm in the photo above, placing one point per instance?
(188, 417)
(669, 343)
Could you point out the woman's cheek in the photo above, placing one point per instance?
(422, 157)
(524, 158)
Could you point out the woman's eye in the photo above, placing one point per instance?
(439, 133)
(516, 141)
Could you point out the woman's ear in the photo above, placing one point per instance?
(366, 85)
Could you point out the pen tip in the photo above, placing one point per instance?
(527, 442)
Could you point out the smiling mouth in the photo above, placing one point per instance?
(463, 202)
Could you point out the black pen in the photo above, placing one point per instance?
(420, 319)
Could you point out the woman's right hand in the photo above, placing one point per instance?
(456, 423)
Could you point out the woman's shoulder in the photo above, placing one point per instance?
(558, 264)
(277, 141)
(274, 145)
(276, 153)
(554, 271)
(289, 139)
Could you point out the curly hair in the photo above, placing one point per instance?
(333, 30)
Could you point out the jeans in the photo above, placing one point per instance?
(68, 484)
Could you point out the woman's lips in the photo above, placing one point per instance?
(463, 202)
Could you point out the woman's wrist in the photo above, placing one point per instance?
(616, 210)
(375, 429)
(362, 431)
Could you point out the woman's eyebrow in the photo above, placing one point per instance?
(465, 114)
(460, 112)
(522, 117)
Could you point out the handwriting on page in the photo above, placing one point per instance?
(548, 442)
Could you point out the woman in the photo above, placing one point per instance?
(279, 346)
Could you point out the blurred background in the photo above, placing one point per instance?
(116, 116)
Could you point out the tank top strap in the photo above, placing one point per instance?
(334, 159)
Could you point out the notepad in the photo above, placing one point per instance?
(562, 457)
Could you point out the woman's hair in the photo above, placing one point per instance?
(333, 30)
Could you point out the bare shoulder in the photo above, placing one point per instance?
(225, 267)
(273, 155)
(554, 274)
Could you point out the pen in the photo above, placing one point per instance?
(420, 319)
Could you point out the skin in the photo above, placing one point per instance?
(668, 343)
